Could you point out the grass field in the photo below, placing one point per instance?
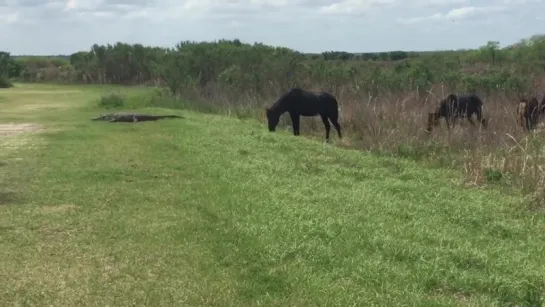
(217, 211)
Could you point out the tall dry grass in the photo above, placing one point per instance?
(394, 123)
(397, 124)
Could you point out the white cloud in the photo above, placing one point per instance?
(414, 20)
(353, 6)
(457, 14)
(54, 5)
(522, 1)
(469, 11)
(102, 14)
(71, 4)
(306, 25)
(83, 4)
(142, 13)
(9, 18)
(440, 2)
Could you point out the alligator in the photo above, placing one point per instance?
(132, 117)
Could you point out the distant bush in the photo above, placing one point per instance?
(112, 100)
(5, 82)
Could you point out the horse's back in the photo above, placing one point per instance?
(329, 104)
(472, 99)
(469, 103)
(308, 103)
(327, 98)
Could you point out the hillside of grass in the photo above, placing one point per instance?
(385, 97)
(217, 211)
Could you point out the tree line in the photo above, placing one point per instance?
(236, 68)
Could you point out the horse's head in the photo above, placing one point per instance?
(272, 119)
(448, 101)
(521, 111)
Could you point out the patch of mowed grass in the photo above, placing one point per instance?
(210, 210)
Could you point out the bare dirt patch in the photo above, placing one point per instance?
(38, 105)
(19, 91)
(14, 129)
(57, 209)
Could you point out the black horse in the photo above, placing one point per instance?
(298, 102)
(454, 106)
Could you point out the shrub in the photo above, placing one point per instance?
(112, 100)
(5, 82)
(492, 175)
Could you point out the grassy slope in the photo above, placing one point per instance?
(216, 211)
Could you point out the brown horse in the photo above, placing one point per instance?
(529, 111)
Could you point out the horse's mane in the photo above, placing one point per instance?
(284, 96)
(526, 100)
(452, 96)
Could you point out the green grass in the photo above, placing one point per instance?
(215, 211)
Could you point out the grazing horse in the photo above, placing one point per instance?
(528, 112)
(454, 106)
(298, 102)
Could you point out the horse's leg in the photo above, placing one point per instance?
(337, 127)
(334, 118)
(295, 123)
(480, 117)
(327, 126)
(448, 122)
(530, 121)
(469, 119)
(454, 118)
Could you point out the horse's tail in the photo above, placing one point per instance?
(480, 102)
(481, 112)
(331, 104)
(336, 110)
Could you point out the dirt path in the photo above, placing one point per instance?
(14, 129)
(23, 108)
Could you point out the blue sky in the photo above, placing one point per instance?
(63, 27)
